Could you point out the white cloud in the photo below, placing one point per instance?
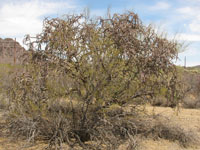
(191, 57)
(191, 1)
(191, 51)
(190, 12)
(160, 6)
(188, 63)
(18, 19)
(185, 10)
(195, 26)
(189, 37)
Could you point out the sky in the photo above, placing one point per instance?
(180, 19)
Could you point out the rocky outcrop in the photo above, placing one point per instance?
(11, 51)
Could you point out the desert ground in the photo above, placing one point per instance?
(188, 119)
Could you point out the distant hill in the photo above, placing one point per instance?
(10, 51)
(194, 68)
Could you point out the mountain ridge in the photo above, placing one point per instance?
(10, 51)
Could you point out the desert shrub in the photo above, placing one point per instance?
(173, 132)
(164, 102)
(160, 101)
(191, 81)
(6, 77)
(4, 102)
(59, 127)
(97, 65)
(191, 101)
(159, 127)
(163, 95)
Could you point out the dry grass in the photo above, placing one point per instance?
(149, 144)
(188, 119)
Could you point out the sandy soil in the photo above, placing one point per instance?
(188, 119)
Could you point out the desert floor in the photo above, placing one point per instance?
(188, 119)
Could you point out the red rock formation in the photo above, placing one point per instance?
(10, 51)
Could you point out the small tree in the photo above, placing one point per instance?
(96, 63)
